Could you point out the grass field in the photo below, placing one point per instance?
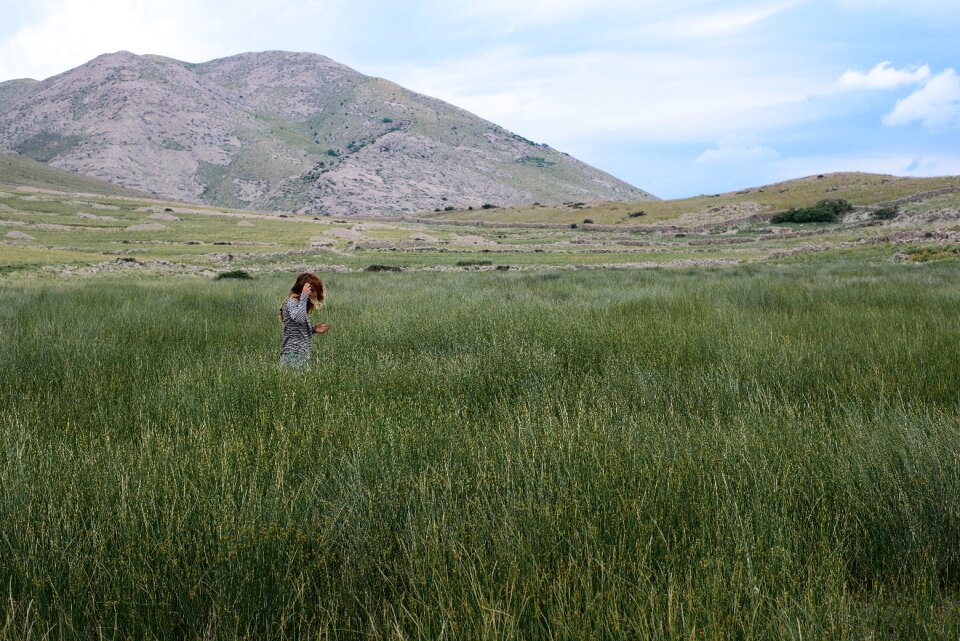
(763, 452)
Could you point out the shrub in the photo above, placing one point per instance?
(838, 206)
(885, 213)
(449, 208)
(825, 211)
(238, 274)
(637, 214)
(489, 206)
(474, 263)
(383, 268)
(536, 161)
(588, 221)
(808, 215)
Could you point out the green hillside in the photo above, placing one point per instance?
(858, 188)
(16, 170)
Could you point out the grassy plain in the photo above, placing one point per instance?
(45, 233)
(763, 452)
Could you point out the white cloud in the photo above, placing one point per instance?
(928, 8)
(63, 34)
(71, 32)
(883, 76)
(561, 98)
(921, 165)
(534, 11)
(738, 148)
(703, 24)
(936, 104)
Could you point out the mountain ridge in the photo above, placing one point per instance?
(285, 131)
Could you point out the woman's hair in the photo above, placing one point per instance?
(319, 291)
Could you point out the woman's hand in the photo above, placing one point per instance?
(321, 328)
(307, 290)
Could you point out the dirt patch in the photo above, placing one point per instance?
(732, 213)
(147, 227)
(19, 235)
(87, 216)
(474, 241)
(346, 234)
(245, 223)
(170, 218)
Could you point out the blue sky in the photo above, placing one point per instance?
(679, 98)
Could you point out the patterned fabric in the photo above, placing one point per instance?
(297, 332)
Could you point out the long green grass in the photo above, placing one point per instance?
(763, 453)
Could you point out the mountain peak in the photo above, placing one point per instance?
(282, 130)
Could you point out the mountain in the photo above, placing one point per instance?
(20, 171)
(283, 131)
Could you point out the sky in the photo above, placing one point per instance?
(680, 97)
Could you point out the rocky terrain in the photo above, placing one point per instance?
(283, 131)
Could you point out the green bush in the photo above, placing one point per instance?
(825, 211)
(885, 213)
(238, 274)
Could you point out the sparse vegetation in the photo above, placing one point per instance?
(474, 263)
(536, 161)
(930, 253)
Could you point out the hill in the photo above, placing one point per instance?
(282, 131)
(19, 171)
(858, 188)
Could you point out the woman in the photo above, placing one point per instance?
(306, 294)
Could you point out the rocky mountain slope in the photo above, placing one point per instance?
(282, 131)
(21, 172)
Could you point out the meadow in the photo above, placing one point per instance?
(769, 451)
